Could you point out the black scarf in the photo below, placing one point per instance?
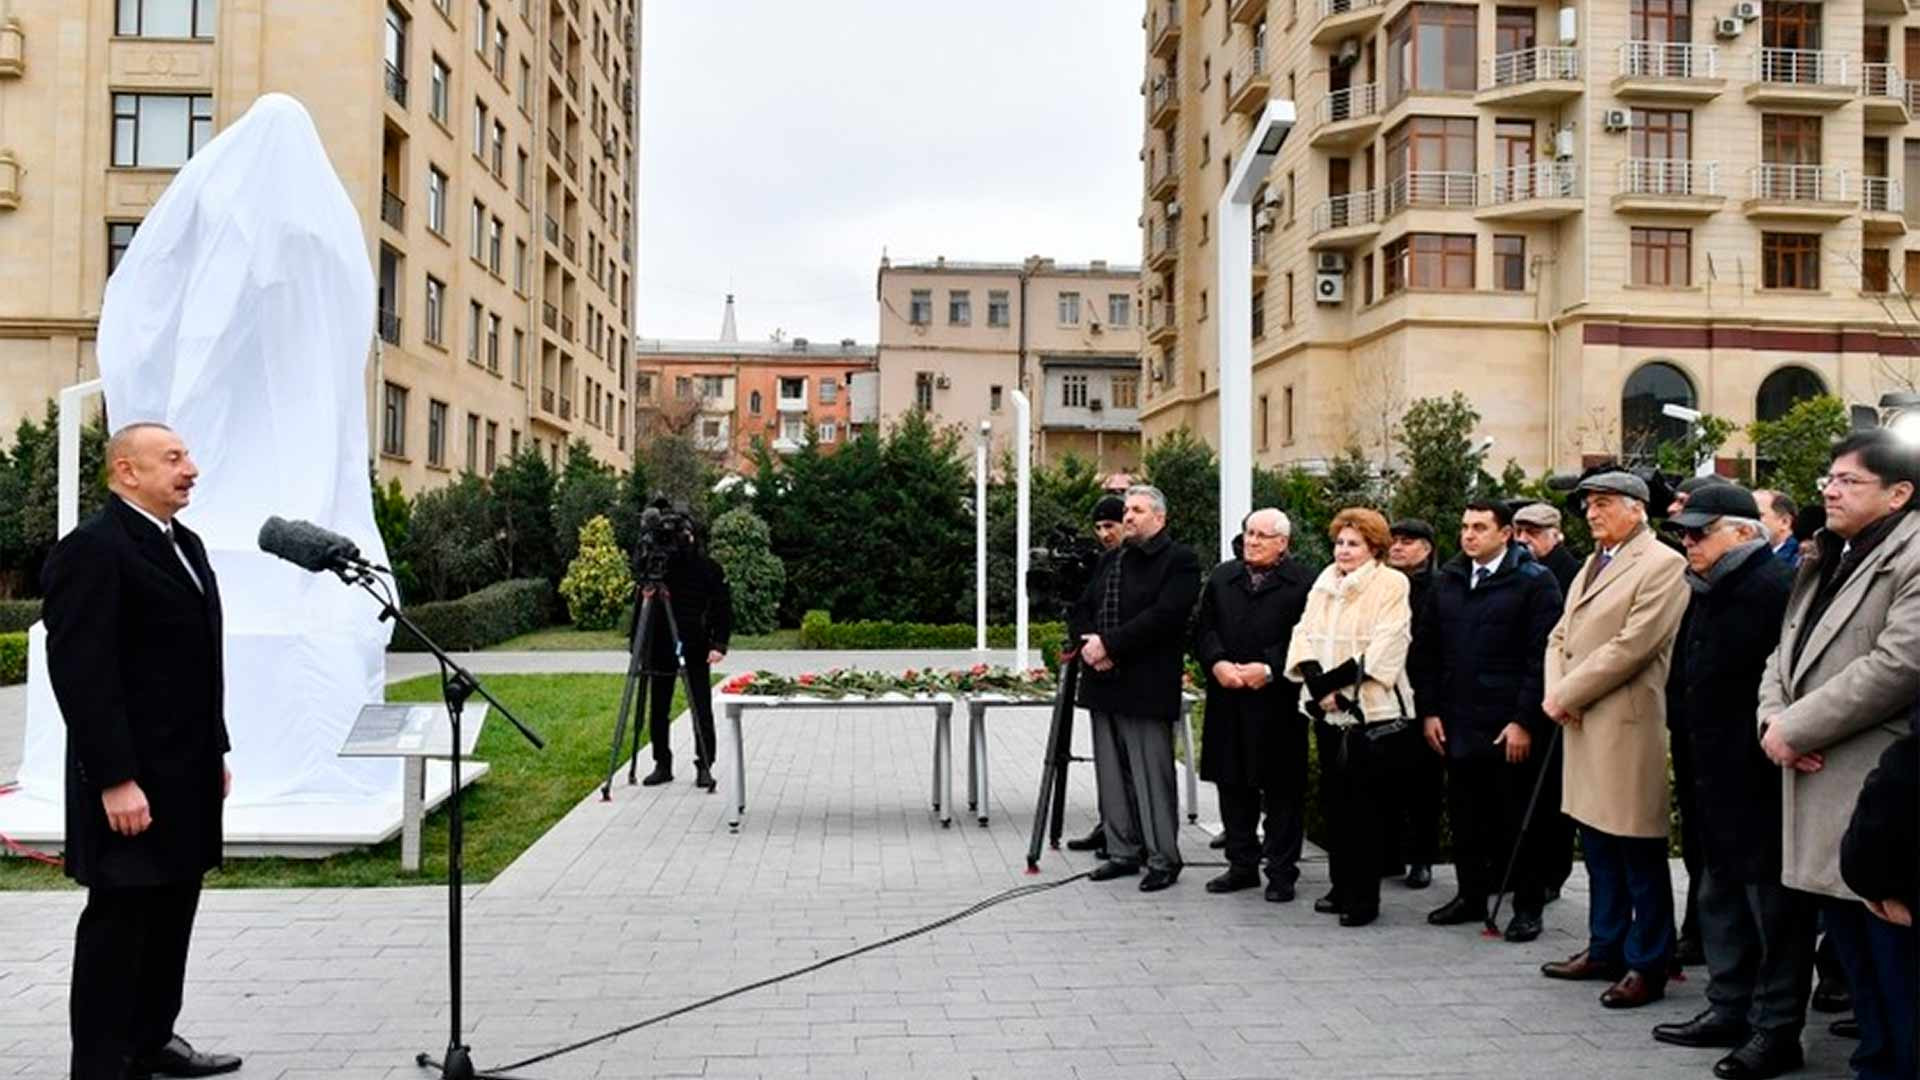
(1834, 570)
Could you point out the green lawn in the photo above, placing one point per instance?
(567, 639)
(526, 792)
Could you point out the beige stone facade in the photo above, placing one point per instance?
(730, 394)
(1574, 213)
(956, 339)
(490, 148)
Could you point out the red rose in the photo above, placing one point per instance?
(806, 680)
(978, 669)
(910, 674)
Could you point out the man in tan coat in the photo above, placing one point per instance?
(1836, 693)
(1606, 675)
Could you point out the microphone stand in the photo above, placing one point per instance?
(457, 684)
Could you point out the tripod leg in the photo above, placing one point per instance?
(1069, 682)
(642, 629)
(702, 746)
(1052, 774)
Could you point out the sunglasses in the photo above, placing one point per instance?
(1696, 535)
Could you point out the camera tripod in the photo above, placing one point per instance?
(654, 596)
(1049, 811)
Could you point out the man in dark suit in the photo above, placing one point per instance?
(1131, 623)
(134, 652)
(703, 609)
(1537, 525)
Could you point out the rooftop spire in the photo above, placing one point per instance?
(728, 332)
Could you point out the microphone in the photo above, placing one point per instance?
(310, 547)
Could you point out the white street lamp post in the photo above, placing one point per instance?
(980, 537)
(1023, 522)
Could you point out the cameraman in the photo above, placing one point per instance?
(702, 606)
(1107, 516)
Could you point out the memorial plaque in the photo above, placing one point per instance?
(412, 730)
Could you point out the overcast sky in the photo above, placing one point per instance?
(783, 145)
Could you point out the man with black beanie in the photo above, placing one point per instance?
(1413, 826)
(1107, 516)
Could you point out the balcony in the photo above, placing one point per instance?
(1347, 118)
(553, 230)
(566, 327)
(1165, 30)
(393, 210)
(1162, 327)
(1811, 193)
(397, 85)
(1346, 221)
(558, 54)
(791, 404)
(1668, 186)
(567, 248)
(1890, 7)
(573, 166)
(1541, 191)
(546, 399)
(1247, 83)
(553, 145)
(390, 327)
(1346, 18)
(1165, 181)
(1247, 12)
(1882, 205)
(1163, 244)
(1432, 190)
(550, 315)
(1260, 248)
(1887, 94)
(566, 408)
(1546, 75)
(1669, 71)
(1163, 102)
(1805, 77)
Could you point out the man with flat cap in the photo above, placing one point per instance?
(1413, 824)
(1537, 525)
(1108, 514)
(1606, 675)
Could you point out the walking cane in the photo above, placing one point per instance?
(1519, 841)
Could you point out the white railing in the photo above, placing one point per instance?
(1537, 64)
(1259, 250)
(1330, 8)
(1669, 176)
(1799, 183)
(1800, 67)
(1160, 316)
(1669, 60)
(1451, 190)
(1161, 94)
(1350, 104)
(1165, 237)
(1539, 180)
(1251, 66)
(1881, 195)
(1344, 211)
(1883, 81)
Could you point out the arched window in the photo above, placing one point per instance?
(753, 403)
(1783, 389)
(1643, 427)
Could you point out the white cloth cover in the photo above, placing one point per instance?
(241, 317)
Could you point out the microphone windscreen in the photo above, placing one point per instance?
(305, 544)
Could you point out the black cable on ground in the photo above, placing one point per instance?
(1015, 893)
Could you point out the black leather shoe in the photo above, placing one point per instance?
(1765, 1055)
(1459, 911)
(1109, 870)
(1093, 841)
(1235, 879)
(1832, 997)
(1278, 893)
(1689, 952)
(1419, 876)
(1707, 1029)
(703, 778)
(1844, 1028)
(1159, 879)
(1218, 843)
(1329, 905)
(1524, 927)
(661, 774)
(1359, 917)
(177, 1058)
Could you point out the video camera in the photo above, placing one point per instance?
(1058, 573)
(665, 531)
(1660, 486)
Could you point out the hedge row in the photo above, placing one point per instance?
(16, 615)
(819, 631)
(482, 618)
(13, 659)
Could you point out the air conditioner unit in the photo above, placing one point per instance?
(1746, 11)
(1263, 219)
(1563, 143)
(941, 382)
(1569, 25)
(1329, 288)
(1348, 52)
(1728, 27)
(1158, 373)
(1331, 262)
(1095, 405)
(1616, 120)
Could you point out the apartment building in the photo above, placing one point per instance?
(957, 338)
(488, 144)
(1576, 213)
(731, 394)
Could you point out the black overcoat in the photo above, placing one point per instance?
(134, 654)
(1563, 564)
(1479, 655)
(1719, 656)
(1159, 582)
(702, 607)
(1244, 625)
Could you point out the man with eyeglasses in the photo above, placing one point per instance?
(1836, 694)
(1757, 933)
(1255, 752)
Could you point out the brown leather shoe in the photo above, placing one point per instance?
(1632, 991)
(1580, 967)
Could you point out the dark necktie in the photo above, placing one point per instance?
(1480, 576)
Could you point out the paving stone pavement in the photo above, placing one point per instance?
(646, 903)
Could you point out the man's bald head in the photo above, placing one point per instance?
(148, 466)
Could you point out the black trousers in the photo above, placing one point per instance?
(1283, 798)
(129, 971)
(1354, 770)
(1413, 823)
(1759, 942)
(1489, 803)
(1555, 828)
(660, 708)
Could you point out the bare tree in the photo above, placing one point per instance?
(1895, 372)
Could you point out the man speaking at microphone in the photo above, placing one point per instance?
(134, 654)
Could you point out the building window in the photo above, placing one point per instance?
(482, 15)
(160, 131)
(519, 357)
(436, 201)
(1430, 160)
(500, 51)
(829, 431)
(437, 434)
(1643, 426)
(473, 443)
(1661, 21)
(1286, 416)
(436, 311)
(1661, 135)
(520, 175)
(1290, 293)
(475, 315)
(1432, 48)
(1662, 257)
(393, 424)
(1125, 391)
(119, 238)
(923, 391)
(829, 390)
(1510, 263)
(920, 307)
(493, 445)
(165, 18)
(683, 388)
(479, 129)
(1119, 309)
(1203, 305)
(523, 93)
(497, 150)
(438, 91)
(713, 386)
(994, 397)
(959, 307)
(1876, 270)
(997, 308)
(1429, 261)
(519, 265)
(396, 55)
(496, 230)
(493, 343)
(1264, 422)
(1069, 309)
(1785, 388)
(754, 403)
(1366, 278)
(1790, 260)
(1073, 391)
(1259, 309)
(793, 429)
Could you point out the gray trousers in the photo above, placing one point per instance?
(1139, 800)
(1759, 943)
